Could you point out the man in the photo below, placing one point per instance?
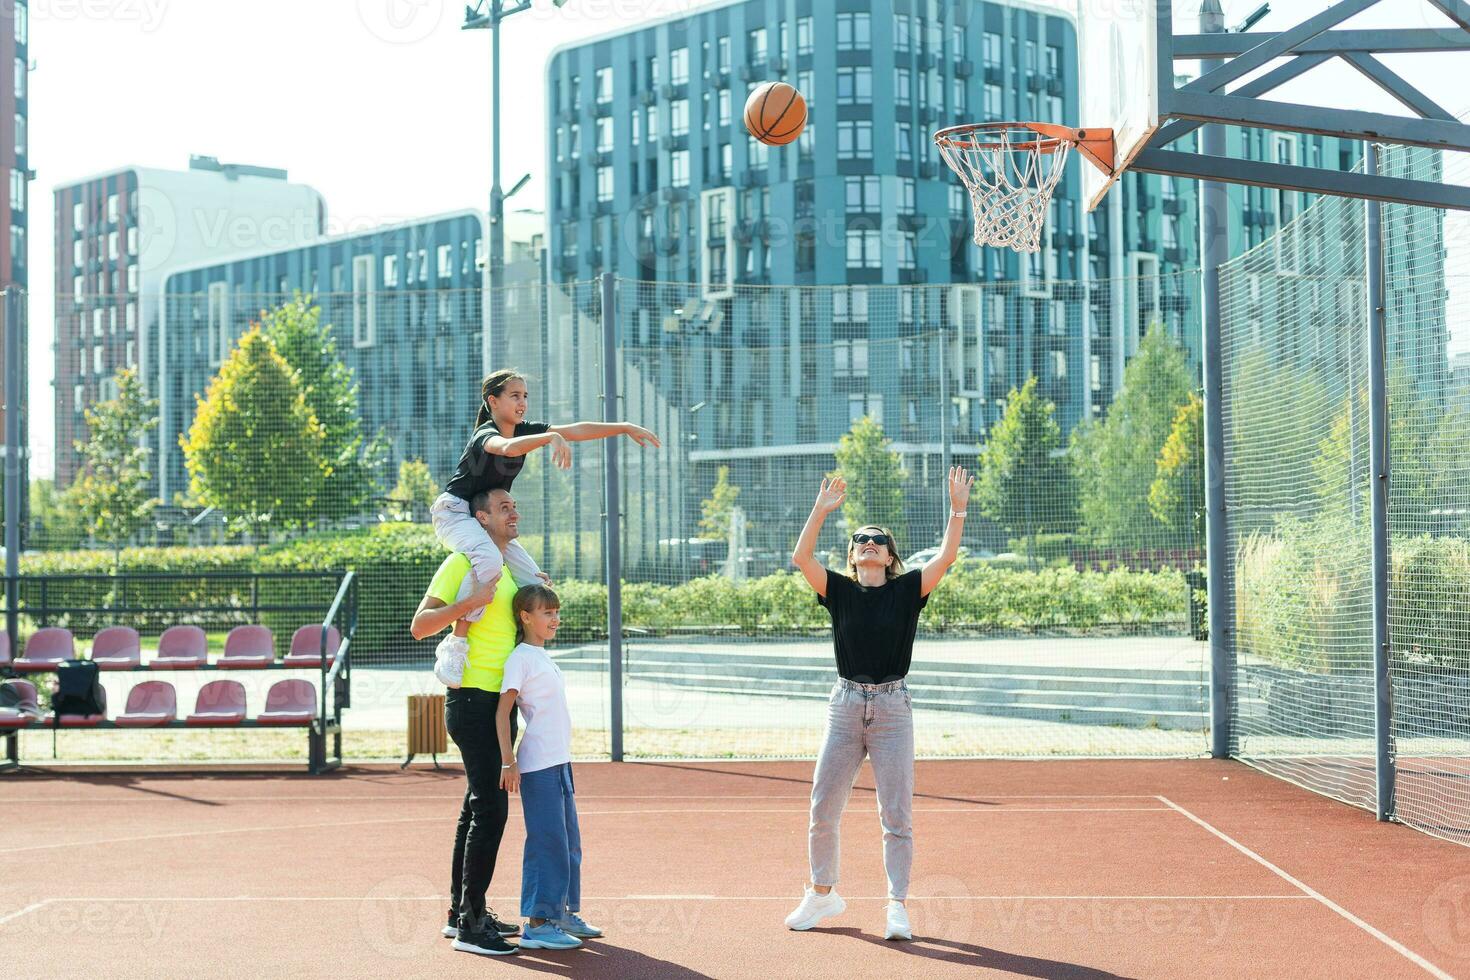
(469, 714)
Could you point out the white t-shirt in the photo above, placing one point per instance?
(547, 739)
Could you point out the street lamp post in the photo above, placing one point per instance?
(488, 14)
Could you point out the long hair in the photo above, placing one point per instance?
(531, 598)
(894, 569)
(494, 384)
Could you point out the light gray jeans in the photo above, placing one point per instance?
(876, 721)
(458, 531)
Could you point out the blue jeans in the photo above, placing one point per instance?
(551, 870)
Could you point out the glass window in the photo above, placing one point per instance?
(959, 202)
(133, 240)
(22, 26)
(603, 85)
(390, 271)
(903, 86)
(864, 248)
(651, 123)
(904, 140)
(20, 134)
(854, 31)
(902, 32)
(112, 246)
(727, 160)
(17, 190)
(604, 184)
(863, 193)
(992, 48)
(907, 195)
(679, 165)
(908, 255)
(574, 135)
(20, 78)
(854, 85)
(755, 45)
(803, 35)
(1053, 60)
(679, 117)
(604, 134)
(724, 107)
(722, 53)
(653, 72)
(679, 66)
(994, 107)
(854, 138)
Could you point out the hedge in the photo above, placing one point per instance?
(394, 563)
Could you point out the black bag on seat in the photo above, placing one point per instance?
(78, 690)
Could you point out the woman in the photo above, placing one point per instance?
(875, 613)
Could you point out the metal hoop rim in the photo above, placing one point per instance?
(1095, 144)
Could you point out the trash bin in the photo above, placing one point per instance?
(426, 731)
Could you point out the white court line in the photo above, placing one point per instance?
(277, 828)
(1311, 892)
(25, 911)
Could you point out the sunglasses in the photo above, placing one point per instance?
(863, 538)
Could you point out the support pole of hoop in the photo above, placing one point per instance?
(1214, 230)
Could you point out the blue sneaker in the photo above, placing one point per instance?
(548, 935)
(574, 925)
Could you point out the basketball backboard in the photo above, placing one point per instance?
(1118, 40)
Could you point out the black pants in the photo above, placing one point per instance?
(469, 715)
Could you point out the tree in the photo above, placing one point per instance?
(716, 509)
(55, 520)
(416, 489)
(330, 391)
(110, 493)
(1114, 460)
(1177, 495)
(874, 475)
(1427, 462)
(255, 450)
(1023, 482)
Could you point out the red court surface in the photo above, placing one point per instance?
(1033, 869)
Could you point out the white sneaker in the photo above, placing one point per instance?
(814, 908)
(450, 658)
(898, 922)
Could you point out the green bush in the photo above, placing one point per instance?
(394, 563)
(1429, 602)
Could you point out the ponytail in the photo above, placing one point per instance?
(492, 386)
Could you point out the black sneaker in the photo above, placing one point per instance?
(478, 936)
(451, 928)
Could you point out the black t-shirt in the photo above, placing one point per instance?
(479, 471)
(873, 627)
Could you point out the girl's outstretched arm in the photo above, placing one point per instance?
(585, 431)
(829, 498)
(960, 482)
(561, 453)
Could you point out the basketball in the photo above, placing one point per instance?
(775, 113)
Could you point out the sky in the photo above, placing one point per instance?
(383, 105)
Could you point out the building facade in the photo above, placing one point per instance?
(118, 235)
(15, 193)
(653, 177)
(405, 305)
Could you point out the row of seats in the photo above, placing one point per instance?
(155, 703)
(179, 648)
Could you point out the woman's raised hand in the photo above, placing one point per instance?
(960, 482)
(830, 497)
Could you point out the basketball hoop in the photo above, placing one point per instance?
(1011, 170)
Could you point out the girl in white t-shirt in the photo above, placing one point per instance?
(551, 869)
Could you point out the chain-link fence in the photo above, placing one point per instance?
(1299, 479)
(276, 431)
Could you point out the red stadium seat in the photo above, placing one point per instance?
(83, 721)
(289, 702)
(116, 648)
(181, 648)
(26, 712)
(306, 646)
(46, 648)
(149, 703)
(248, 648)
(219, 703)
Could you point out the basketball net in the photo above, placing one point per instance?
(1010, 173)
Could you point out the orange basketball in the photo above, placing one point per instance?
(775, 113)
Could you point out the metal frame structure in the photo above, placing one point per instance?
(1226, 57)
(1230, 56)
